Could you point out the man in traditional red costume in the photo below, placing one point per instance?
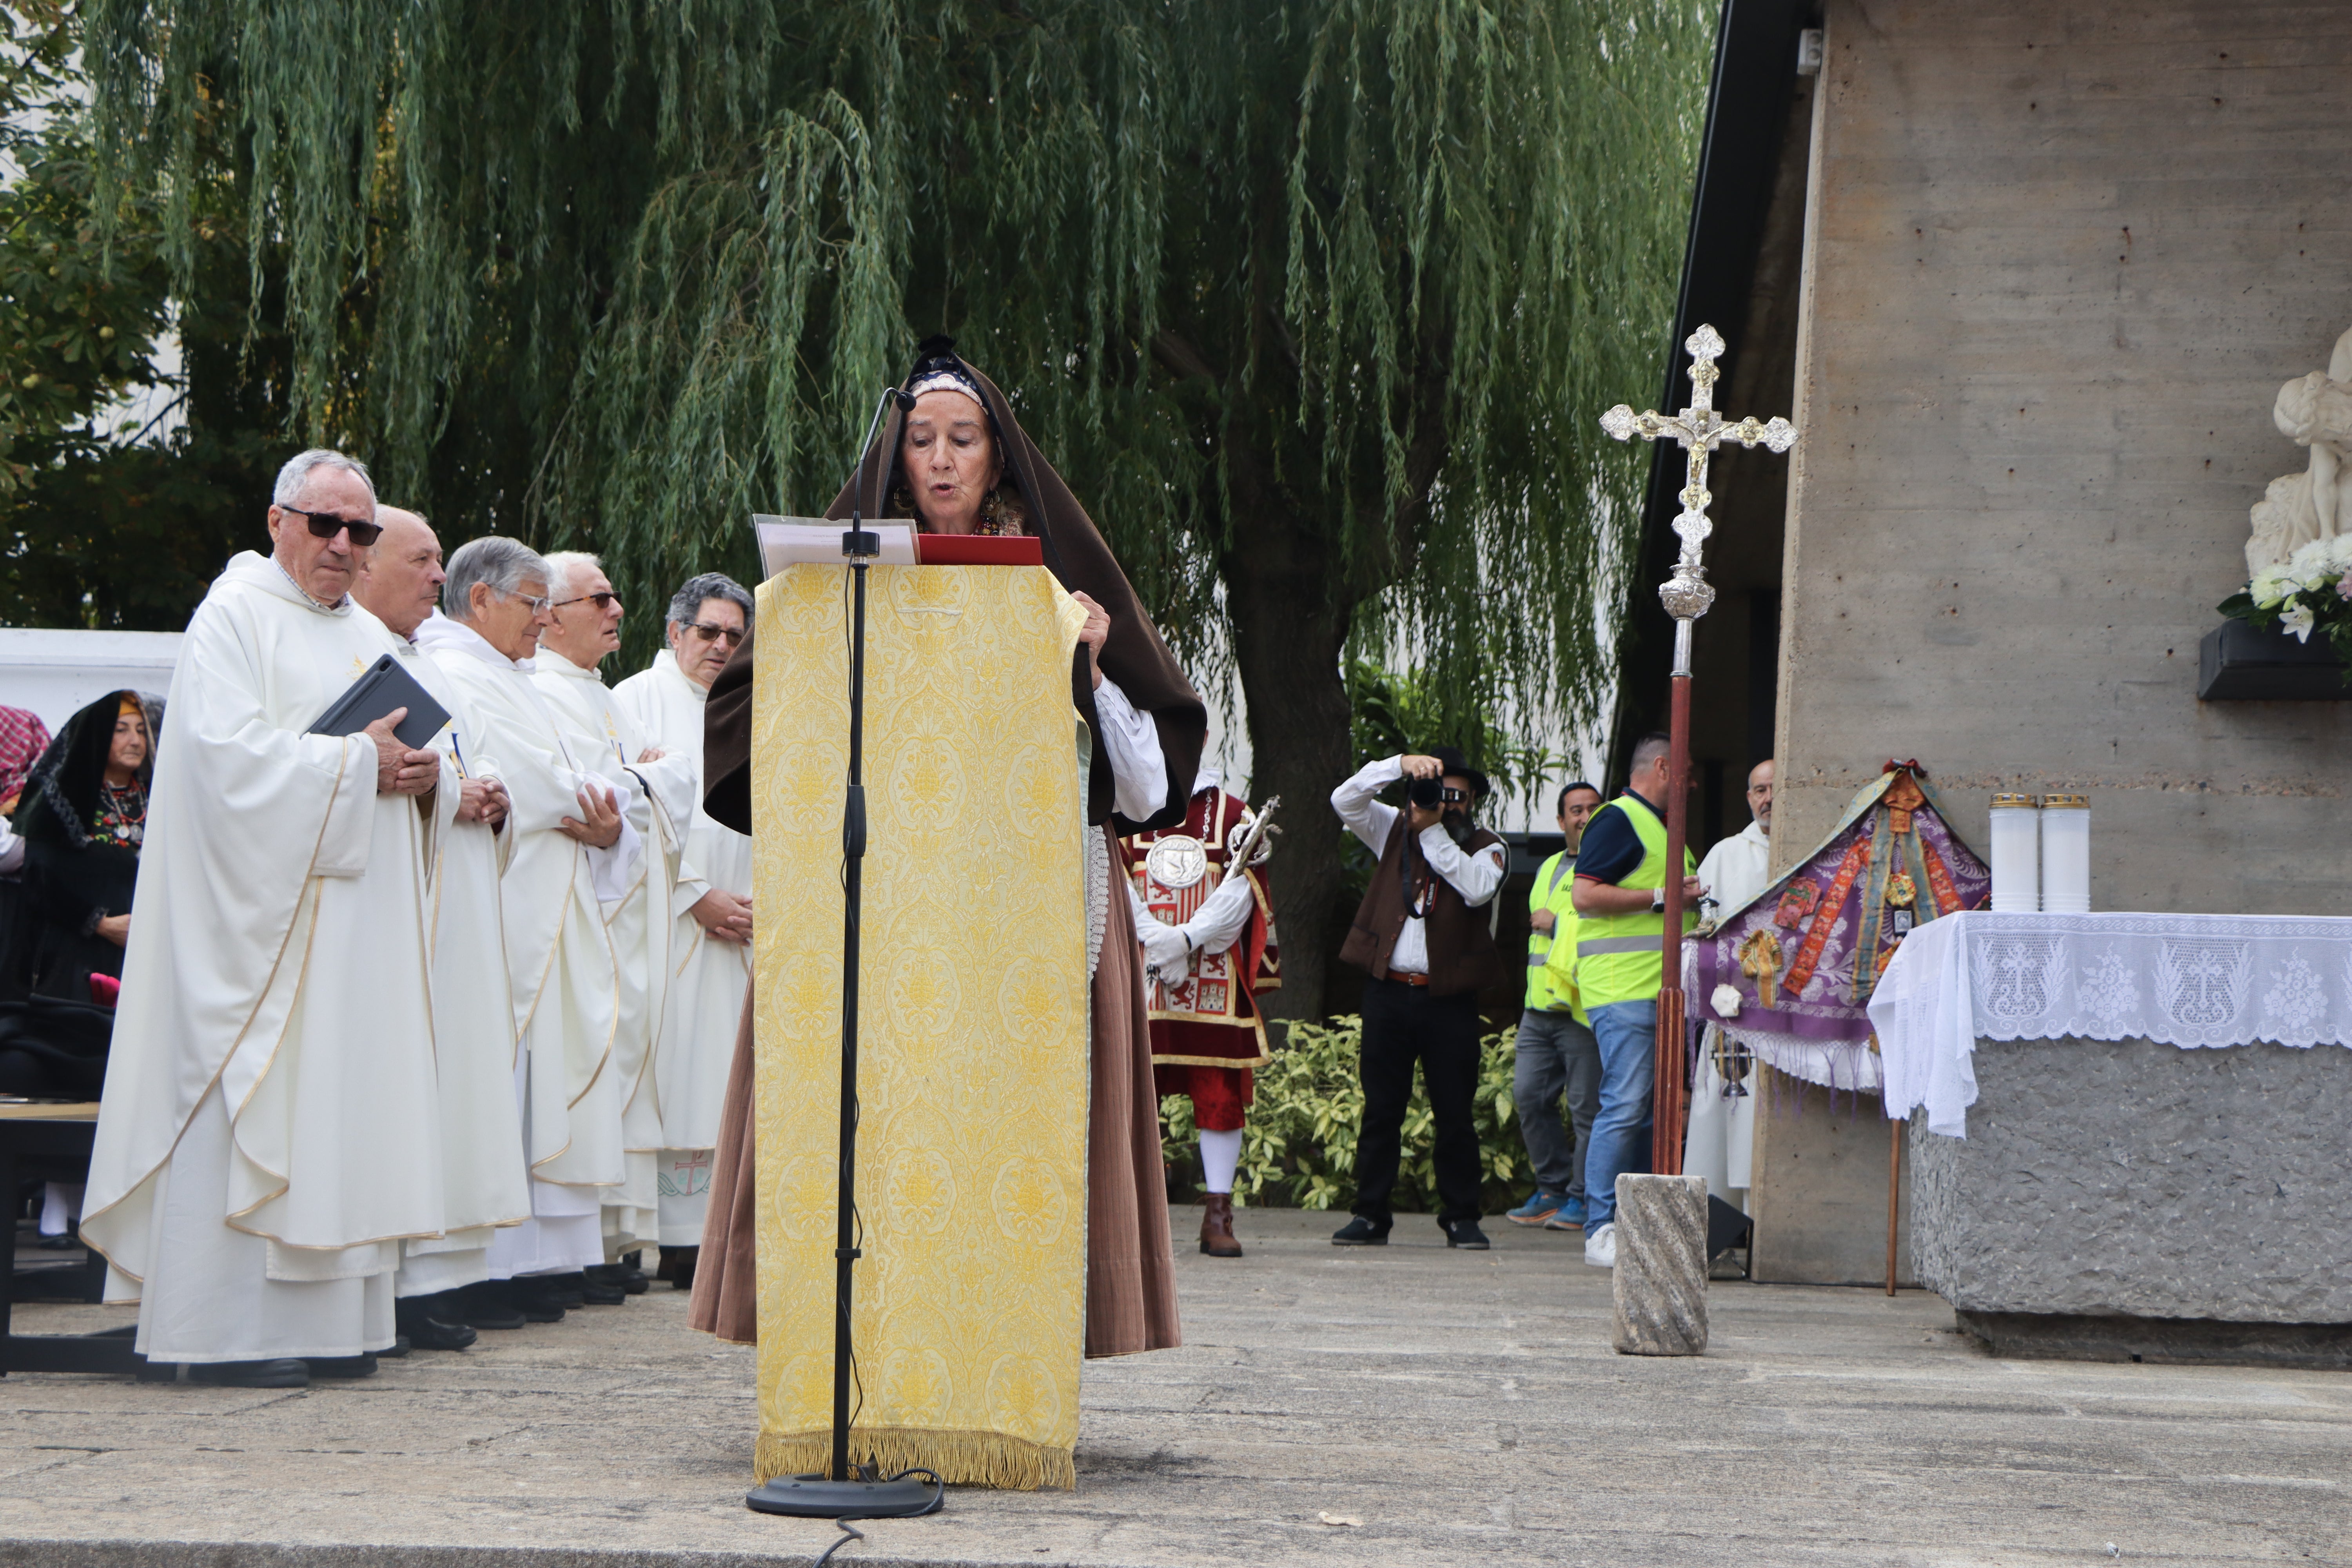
(1207, 952)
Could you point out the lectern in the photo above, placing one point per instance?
(970, 1119)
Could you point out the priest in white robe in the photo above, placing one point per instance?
(1719, 1141)
(659, 795)
(484, 1183)
(710, 909)
(568, 845)
(269, 1135)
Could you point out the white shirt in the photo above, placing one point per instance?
(1476, 877)
(1130, 743)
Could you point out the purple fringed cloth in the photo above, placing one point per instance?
(1789, 955)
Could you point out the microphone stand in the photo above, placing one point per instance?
(844, 1491)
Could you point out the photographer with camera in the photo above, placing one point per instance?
(1422, 936)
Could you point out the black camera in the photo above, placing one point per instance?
(1433, 793)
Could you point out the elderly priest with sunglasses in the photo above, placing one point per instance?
(711, 905)
(269, 1131)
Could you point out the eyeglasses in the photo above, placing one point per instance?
(540, 604)
(326, 525)
(602, 601)
(708, 633)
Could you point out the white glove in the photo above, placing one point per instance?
(1164, 949)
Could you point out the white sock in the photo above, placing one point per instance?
(1221, 1156)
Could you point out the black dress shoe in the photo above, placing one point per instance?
(596, 1293)
(360, 1365)
(565, 1290)
(434, 1323)
(284, 1373)
(401, 1345)
(1361, 1232)
(624, 1277)
(532, 1298)
(523, 1298)
(481, 1305)
(1465, 1234)
(678, 1266)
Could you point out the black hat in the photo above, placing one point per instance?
(1450, 760)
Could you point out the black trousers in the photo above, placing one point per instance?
(1405, 1025)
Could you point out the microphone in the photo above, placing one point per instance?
(859, 541)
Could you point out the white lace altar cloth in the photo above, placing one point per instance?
(2185, 980)
(1843, 1066)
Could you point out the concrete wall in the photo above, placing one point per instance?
(2060, 256)
(1821, 1171)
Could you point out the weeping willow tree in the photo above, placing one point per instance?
(1313, 301)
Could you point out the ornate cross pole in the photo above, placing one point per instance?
(1699, 429)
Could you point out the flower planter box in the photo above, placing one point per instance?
(2235, 663)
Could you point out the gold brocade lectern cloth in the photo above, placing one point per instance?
(969, 1304)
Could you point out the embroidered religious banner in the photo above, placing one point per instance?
(968, 1309)
(1789, 973)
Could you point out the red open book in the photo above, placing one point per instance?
(979, 550)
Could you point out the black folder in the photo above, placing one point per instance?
(381, 687)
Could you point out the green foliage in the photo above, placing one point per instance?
(615, 275)
(1299, 1149)
(97, 526)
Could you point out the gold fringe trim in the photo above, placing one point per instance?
(961, 1459)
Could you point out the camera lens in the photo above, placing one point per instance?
(1428, 794)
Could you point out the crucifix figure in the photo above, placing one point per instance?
(1699, 429)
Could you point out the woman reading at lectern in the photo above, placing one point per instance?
(958, 462)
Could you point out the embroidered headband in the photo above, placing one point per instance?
(947, 378)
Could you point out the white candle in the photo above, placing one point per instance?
(2016, 854)
(2066, 854)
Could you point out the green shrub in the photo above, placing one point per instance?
(1300, 1149)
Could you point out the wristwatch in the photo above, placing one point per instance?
(1657, 901)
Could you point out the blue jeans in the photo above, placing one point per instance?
(1628, 1033)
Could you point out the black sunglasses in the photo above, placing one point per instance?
(708, 633)
(326, 525)
(602, 601)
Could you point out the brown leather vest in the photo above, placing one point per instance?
(1462, 954)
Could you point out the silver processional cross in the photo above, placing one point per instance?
(1699, 429)
(1687, 595)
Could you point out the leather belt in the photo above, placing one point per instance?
(1401, 978)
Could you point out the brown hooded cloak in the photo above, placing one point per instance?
(1131, 1261)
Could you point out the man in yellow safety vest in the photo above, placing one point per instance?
(1555, 1049)
(1620, 899)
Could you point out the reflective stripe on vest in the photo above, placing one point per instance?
(1555, 893)
(1618, 956)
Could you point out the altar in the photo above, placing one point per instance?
(2128, 1131)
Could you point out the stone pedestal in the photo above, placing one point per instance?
(2130, 1200)
(1661, 1284)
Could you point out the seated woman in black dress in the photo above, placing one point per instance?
(83, 816)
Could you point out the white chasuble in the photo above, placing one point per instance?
(270, 1128)
(485, 1183)
(559, 963)
(658, 798)
(708, 977)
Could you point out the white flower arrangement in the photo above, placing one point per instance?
(2311, 592)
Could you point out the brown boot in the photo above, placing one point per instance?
(1217, 1226)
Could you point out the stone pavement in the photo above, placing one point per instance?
(1462, 1407)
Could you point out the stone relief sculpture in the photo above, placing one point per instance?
(2313, 411)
